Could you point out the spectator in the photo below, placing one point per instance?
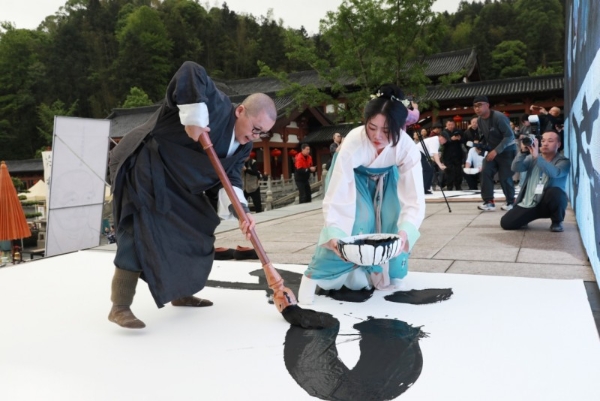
(432, 145)
(549, 120)
(471, 134)
(337, 141)
(304, 168)
(499, 138)
(474, 160)
(251, 183)
(543, 194)
(453, 157)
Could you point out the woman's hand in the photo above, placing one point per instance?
(332, 245)
(404, 238)
(247, 224)
(194, 132)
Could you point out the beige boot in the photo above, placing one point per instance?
(122, 315)
(191, 301)
(123, 291)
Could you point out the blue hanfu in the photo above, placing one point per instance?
(367, 191)
(376, 200)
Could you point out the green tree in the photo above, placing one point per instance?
(370, 42)
(508, 59)
(21, 75)
(136, 98)
(544, 33)
(185, 22)
(46, 114)
(18, 184)
(144, 53)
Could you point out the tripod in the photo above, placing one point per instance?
(436, 178)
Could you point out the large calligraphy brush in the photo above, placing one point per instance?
(283, 297)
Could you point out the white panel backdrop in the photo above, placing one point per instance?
(79, 157)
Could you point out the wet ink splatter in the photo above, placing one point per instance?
(420, 297)
(390, 361)
(347, 295)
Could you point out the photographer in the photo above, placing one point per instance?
(543, 194)
(497, 135)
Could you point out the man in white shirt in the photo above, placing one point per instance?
(432, 146)
(474, 161)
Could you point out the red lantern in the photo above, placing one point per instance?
(293, 152)
(253, 155)
(416, 127)
(457, 119)
(276, 153)
(506, 114)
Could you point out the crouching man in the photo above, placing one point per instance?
(543, 194)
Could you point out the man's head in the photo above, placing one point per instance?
(550, 144)
(337, 137)
(554, 111)
(525, 119)
(474, 123)
(255, 117)
(450, 125)
(436, 128)
(305, 149)
(481, 106)
(444, 137)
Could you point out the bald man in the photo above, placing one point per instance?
(164, 221)
(543, 194)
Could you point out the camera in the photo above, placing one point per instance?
(527, 140)
(484, 147)
(534, 124)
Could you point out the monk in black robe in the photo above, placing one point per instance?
(164, 222)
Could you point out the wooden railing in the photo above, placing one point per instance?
(277, 193)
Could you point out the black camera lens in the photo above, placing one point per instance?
(527, 141)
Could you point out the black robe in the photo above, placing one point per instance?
(165, 224)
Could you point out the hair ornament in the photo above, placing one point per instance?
(393, 98)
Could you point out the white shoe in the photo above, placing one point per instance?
(487, 207)
(306, 293)
(507, 206)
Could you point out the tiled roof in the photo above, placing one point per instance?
(325, 134)
(25, 166)
(449, 62)
(269, 85)
(124, 120)
(501, 87)
(437, 64)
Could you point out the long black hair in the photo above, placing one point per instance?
(387, 100)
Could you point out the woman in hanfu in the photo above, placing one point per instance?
(375, 185)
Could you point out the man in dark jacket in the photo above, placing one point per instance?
(453, 156)
(496, 134)
(160, 173)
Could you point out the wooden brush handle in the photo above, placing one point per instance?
(283, 296)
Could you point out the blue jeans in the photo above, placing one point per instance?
(501, 165)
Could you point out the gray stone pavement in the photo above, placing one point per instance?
(465, 241)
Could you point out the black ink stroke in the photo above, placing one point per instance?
(420, 297)
(390, 361)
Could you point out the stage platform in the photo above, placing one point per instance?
(495, 338)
